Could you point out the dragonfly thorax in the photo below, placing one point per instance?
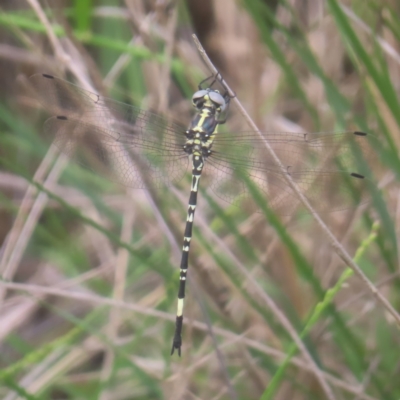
(209, 104)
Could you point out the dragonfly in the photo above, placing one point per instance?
(142, 149)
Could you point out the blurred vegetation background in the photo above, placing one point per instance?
(90, 269)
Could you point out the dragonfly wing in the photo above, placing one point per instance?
(329, 169)
(60, 97)
(135, 146)
(132, 159)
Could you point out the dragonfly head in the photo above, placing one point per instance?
(210, 98)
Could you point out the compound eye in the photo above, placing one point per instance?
(218, 99)
(198, 96)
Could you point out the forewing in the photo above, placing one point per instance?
(131, 146)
